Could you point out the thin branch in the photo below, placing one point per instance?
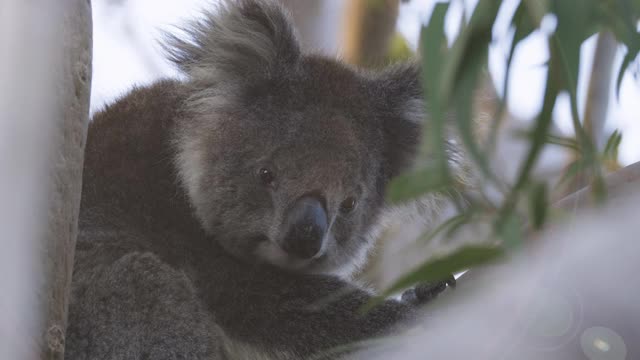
(597, 102)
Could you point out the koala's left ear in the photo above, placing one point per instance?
(402, 111)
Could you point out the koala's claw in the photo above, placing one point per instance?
(426, 292)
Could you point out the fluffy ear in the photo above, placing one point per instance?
(239, 40)
(403, 115)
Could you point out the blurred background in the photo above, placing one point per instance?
(364, 32)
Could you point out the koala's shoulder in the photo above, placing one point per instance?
(156, 101)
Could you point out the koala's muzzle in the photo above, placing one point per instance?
(305, 227)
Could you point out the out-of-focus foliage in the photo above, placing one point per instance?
(399, 49)
(567, 300)
(451, 76)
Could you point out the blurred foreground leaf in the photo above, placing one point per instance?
(441, 268)
(410, 185)
(538, 203)
(434, 50)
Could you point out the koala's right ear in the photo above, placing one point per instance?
(402, 111)
(237, 42)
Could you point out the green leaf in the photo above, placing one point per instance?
(450, 226)
(538, 203)
(434, 54)
(441, 268)
(621, 18)
(510, 231)
(463, 103)
(574, 26)
(537, 9)
(567, 142)
(572, 30)
(413, 184)
(610, 151)
(599, 189)
(433, 44)
(573, 170)
(538, 140)
(628, 58)
(471, 45)
(466, 59)
(524, 25)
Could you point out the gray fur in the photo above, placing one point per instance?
(237, 40)
(179, 252)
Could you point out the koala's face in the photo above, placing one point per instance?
(288, 165)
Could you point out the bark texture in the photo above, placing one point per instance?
(368, 28)
(619, 184)
(68, 140)
(45, 69)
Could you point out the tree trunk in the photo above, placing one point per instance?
(66, 173)
(44, 107)
(368, 28)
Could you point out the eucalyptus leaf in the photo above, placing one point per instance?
(567, 142)
(524, 26)
(448, 226)
(571, 31)
(628, 59)
(441, 268)
(434, 53)
(537, 9)
(574, 26)
(471, 46)
(538, 204)
(413, 184)
(523, 23)
(599, 189)
(510, 231)
(463, 103)
(610, 151)
(621, 17)
(466, 59)
(571, 172)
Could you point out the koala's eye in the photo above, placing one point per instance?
(348, 205)
(266, 176)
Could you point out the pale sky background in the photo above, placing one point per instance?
(126, 54)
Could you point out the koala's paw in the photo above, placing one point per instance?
(425, 292)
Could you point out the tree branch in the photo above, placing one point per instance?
(597, 102)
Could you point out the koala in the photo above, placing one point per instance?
(223, 213)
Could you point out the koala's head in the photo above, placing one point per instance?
(286, 156)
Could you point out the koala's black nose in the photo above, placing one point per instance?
(306, 226)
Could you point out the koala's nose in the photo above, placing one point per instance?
(305, 227)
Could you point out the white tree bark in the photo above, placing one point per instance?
(45, 73)
(317, 24)
(619, 184)
(597, 103)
